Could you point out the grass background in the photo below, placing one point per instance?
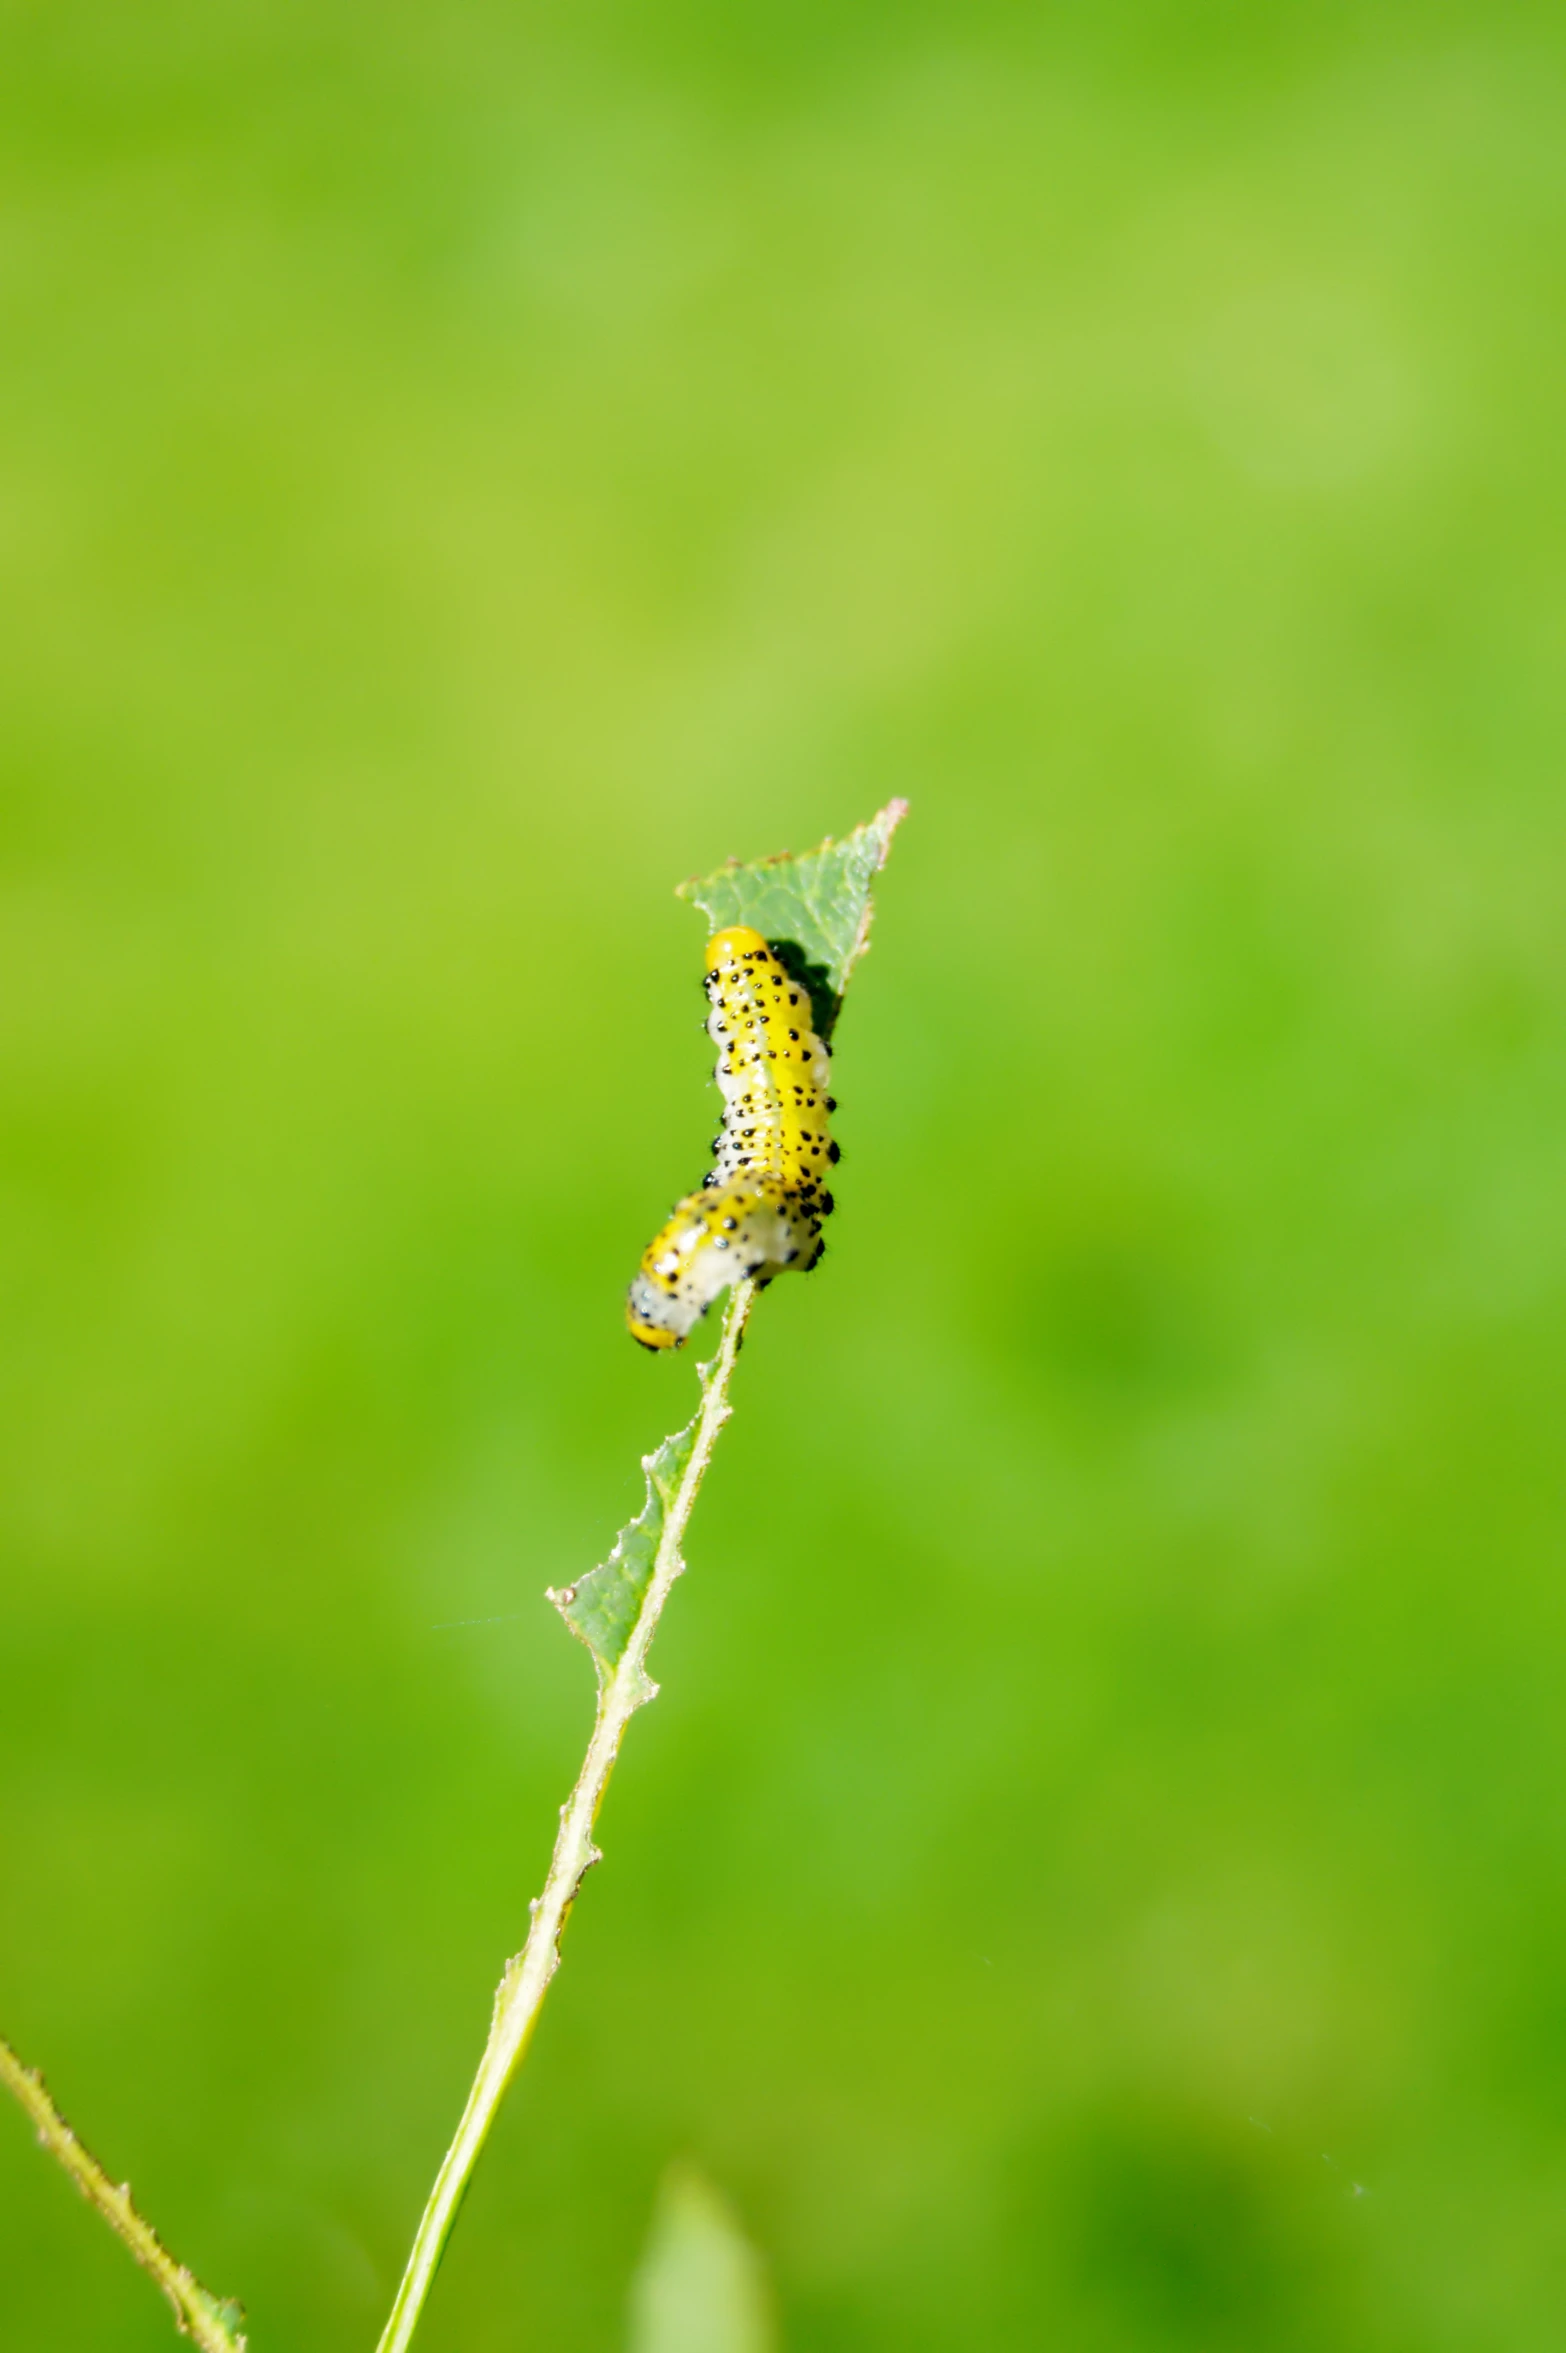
(1097, 1874)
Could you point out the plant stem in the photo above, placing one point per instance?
(521, 1992)
(215, 2327)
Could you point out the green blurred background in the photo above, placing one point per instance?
(1096, 1877)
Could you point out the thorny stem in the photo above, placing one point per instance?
(521, 1992)
(214, 2326)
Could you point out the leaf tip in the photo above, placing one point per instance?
(889, 819)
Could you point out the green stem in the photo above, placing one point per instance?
(522, 1989)
(214, 2326)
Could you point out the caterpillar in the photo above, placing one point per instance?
(761, 1207)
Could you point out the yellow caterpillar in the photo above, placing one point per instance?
(762, 1205)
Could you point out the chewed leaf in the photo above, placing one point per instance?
(602, 1608)
(813, 909)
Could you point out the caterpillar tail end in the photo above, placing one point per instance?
(644, 1330)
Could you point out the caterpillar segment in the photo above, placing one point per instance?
(773, 1071)
(717, 1237)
